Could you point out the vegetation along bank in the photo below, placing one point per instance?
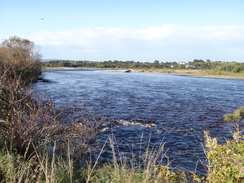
(40, 143)
(198, 67)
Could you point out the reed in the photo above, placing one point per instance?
(151, 165)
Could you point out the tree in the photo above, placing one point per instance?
(156, 64)
(19, 49)
(21, 56)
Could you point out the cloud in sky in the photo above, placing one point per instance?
(165, 43)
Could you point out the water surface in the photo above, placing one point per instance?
(180, 107)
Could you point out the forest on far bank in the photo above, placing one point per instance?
(234, 67)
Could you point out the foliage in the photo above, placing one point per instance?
(164, 174)
(226, 161)
(215, 66)
(25, 120)
(108, 173)
(20, 57)
(237, 115)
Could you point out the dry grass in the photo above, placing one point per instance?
(151, 166)
(195, 73)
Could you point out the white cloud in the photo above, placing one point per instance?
(167, 41)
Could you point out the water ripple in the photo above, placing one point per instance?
(174, 108)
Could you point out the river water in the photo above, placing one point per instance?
(175, 109)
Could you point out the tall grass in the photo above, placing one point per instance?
(50, 167)
(40, 167)
(151, 166)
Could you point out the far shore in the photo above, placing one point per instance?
(187, 72)
(194, 73)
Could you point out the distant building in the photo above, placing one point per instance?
(188, 66)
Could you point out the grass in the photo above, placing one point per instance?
(50, 167)
(225, 165)
(40, 167)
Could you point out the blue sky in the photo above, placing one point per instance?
(139, 30)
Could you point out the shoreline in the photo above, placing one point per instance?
(186, 72)
(194, 73)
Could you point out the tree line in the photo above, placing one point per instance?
(234, 67)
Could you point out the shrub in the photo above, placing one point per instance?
(237, 115)
(226, 161)
(20, 56)
(33, 132)
(26, 120)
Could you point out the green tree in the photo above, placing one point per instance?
(156, 64)
(236, 69)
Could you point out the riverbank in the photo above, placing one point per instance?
(194, 73)
(187, 72)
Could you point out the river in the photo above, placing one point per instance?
(175, 109)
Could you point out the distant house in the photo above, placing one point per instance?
(188, 66)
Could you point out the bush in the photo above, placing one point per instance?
(20, 57)
(26, 121)
(33, 132)
(226, 161)
(237, 115)
(30, 131)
